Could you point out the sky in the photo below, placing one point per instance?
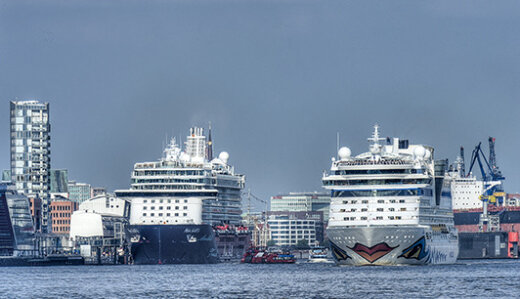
(277, 79)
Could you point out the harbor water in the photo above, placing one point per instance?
(491, 278)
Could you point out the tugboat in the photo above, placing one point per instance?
(259, 255)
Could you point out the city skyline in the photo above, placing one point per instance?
(276, 89)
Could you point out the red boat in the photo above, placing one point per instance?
(263, 256)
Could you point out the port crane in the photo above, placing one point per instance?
(493, 190)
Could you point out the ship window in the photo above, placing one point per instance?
(145, 201)
(391, 209)
(152, 214)
(363, 218)
(176, 207)
(401, 200)
(185, 201)
(168, 208)
(176, 214)
(161, 207)
(144, 214)
(380, 209)
(184, 214)
(364, 210)
(169, 201)
(144, 208)
(160, 214)
(185, 207)
(161, 201)
(346, 218)
(379, 218)
(152, 208)
(364, 201)
(381, 201)
(168, 214)
(403, 209)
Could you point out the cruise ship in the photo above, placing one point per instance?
(177, 201)
(390, 206)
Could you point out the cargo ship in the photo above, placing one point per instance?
(178, 201)
(488, 219)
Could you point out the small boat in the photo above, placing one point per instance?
(257, 255)
(319, 255)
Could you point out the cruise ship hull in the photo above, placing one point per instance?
(392, 246)
(173, 244)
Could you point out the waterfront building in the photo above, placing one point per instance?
(99, 222)
(288, 228)
(30, 152)
(61, 211)
(16, 225)
(302, 202)
(79, 192)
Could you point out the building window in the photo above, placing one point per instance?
(184, 214)
(144, 214)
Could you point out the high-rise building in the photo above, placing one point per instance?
(302, 202)
(30, 152)
(79, 192)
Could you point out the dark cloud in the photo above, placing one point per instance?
(277, 79)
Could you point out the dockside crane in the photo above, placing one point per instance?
(493, 189)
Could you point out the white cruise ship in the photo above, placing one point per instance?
(176, 202)
(390, 206)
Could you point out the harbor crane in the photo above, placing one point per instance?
(493, 189)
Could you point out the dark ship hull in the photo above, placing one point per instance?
(474, 244)
(173, 244)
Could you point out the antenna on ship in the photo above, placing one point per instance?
(337, 143)
(209, 148)
(375, 148)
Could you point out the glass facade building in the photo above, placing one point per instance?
(16, 225)
(30, 152)
(79, 192)
(302, 202)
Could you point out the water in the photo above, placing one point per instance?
(498, 278)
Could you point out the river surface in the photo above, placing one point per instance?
(483, 279)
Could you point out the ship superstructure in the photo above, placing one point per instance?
(177, 200)
(391, 205)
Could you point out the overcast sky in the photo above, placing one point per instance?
(277, 79)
